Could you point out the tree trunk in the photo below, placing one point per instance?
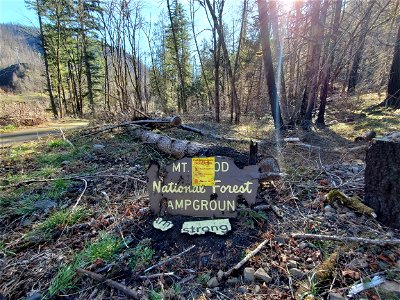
(46, 62)
(353, 77)
(393, 92)
(182, 101)
(268, 66)
(317, 22)
(228, 65)
(280, 68)
(382, 180)
(328, 66)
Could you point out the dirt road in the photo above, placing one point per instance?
(30, 134)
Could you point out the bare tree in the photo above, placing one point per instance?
(268, 66)
(393, 92)
(218, 26)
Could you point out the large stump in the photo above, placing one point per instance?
(382, 180)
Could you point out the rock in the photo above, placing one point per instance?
(242, 289)
(232, 281)
(98, 147)
(329, 214)
(358, 263)
(335, 296)
(261, 274)
(34, 296)
(45, 204)
(390, 287)
(279, 240)
(309, 260)
(296, 273)
(256, 289)
(248, 274)
(208, 293)
(303, 245)
(329, 208)
(309, 266)
(292, 264)
(220, 275)
(350, 215)
(213, 282)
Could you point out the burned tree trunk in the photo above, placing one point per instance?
(382, 179)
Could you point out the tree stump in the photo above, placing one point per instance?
(382, 179)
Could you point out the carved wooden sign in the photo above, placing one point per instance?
(202, 187)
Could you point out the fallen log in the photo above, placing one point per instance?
(152, 123)
(211, 135)
(181, 148)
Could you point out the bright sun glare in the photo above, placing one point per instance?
(286, 4)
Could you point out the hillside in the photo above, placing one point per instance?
(20, 45)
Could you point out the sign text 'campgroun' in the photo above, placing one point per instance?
(202, 186)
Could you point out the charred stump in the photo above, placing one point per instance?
(382, 180)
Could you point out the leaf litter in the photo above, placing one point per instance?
(118, 203)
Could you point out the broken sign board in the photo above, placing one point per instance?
(162, 225)
(175, 193)
(217, 226)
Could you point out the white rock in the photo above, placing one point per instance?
(261, 274)
(335, 296)
(213, 282)
(248, 274)
(296, 273)
(292, 264)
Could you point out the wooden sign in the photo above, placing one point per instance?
(202, 187)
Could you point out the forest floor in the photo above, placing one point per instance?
(83, 203)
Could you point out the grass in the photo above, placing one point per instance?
(61, 219)
(105, 248)
(250, 217)
(7, 128)
(203, 278)
(22, 200)
(378, 119)
(142, 254)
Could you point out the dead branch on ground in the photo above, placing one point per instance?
(111, 283)
(380, 242)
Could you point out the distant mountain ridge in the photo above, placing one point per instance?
(21, 64)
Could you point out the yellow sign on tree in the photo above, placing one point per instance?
(203, 171)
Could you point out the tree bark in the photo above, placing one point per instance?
(268, 66)
(393, 92)
(46, 62)
(353, 76)
(317, 22)
(182, 102)
(233, 91)
(328, 66)
(382, 180)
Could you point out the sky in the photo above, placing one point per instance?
(15, 11)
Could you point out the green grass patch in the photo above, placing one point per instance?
(22, 200)
(60, 219)
(105, 248)
(203, 278)
(142, 254)
(378, 119)
(7, 128)
(60, 152)
(58, 143)
(250, 217)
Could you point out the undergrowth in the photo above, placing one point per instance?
(105, 248)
